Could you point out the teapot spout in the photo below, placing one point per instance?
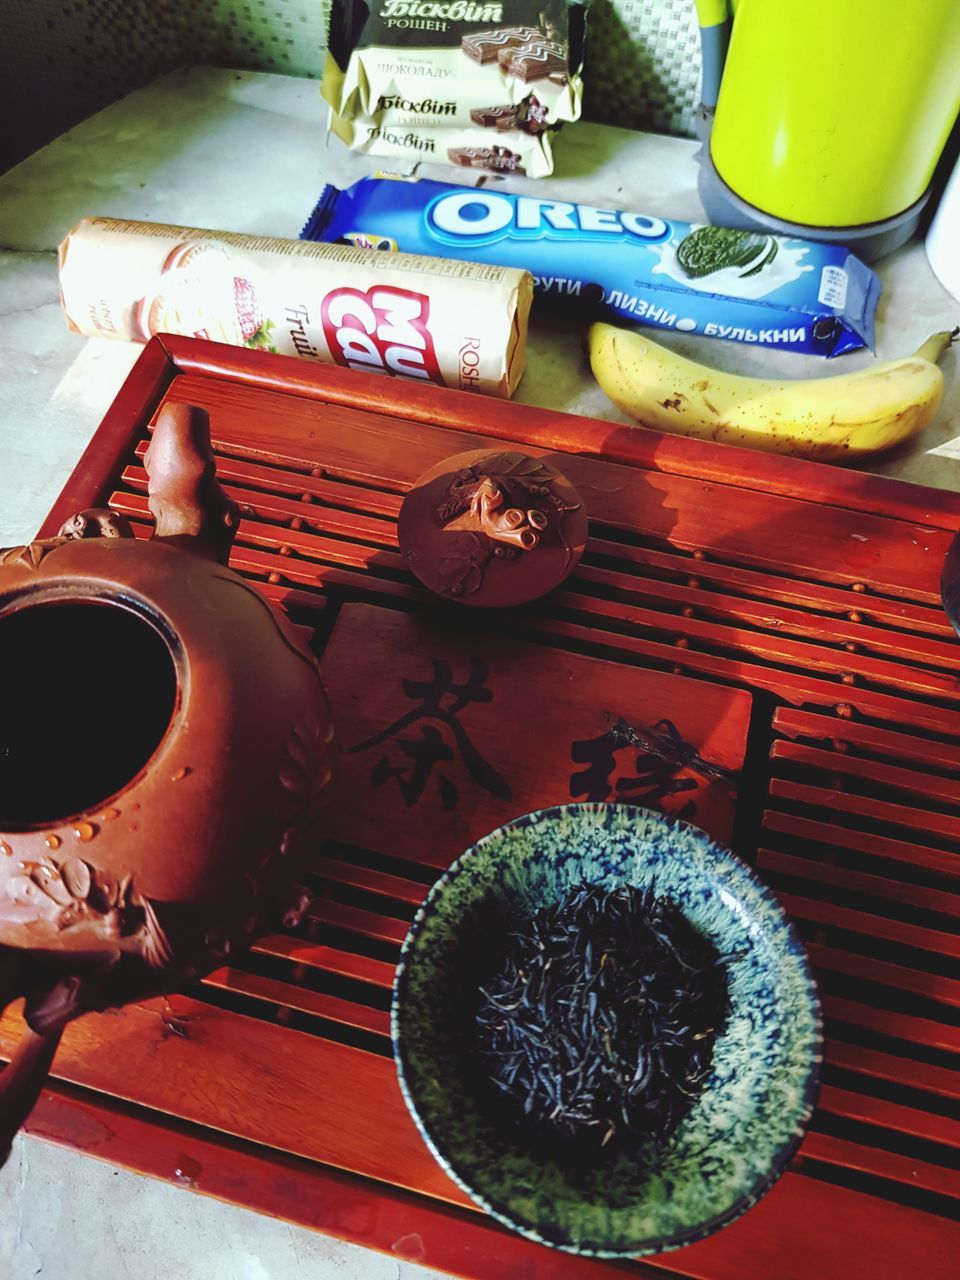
(186, 500)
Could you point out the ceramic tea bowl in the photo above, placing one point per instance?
(751, 1114)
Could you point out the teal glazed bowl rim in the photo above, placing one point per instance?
(751, 906)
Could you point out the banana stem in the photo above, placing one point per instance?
(936, 345)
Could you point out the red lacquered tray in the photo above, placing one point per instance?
(782, 618)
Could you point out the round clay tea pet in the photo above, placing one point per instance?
(492, 529)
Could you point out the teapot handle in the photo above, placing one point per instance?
(714, 19)
(22, 1080)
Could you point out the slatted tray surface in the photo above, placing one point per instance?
(783, 618)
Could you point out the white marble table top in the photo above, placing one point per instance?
(245, 151)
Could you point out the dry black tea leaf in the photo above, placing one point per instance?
(600, 1021)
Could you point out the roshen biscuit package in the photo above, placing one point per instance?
(474, 84)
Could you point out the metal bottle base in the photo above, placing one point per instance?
(869, 241)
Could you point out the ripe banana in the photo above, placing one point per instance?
(840, 418)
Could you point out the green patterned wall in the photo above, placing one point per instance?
(644, 65)
(61, 60)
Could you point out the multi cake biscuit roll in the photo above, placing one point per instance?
(455, 324)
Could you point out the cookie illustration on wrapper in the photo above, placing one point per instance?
(200, 296)
(709, 249)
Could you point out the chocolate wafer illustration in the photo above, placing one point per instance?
(530, 116)
(505, 117)
(496, 159)
(534, 60)
(486, 46)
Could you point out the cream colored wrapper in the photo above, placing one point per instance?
(456, 324)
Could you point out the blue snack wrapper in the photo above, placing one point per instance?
(746, 286)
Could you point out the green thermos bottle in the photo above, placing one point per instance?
(826, 118)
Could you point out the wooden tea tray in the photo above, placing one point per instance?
(780, 620)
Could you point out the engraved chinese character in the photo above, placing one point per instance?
(441, 738)
(659, 755)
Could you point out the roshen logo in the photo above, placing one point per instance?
(457, 11)
(381, 331)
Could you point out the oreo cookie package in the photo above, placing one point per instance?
(475, 84)
(748, 286)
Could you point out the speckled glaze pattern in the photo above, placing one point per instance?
(747, 1123)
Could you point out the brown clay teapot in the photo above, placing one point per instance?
(164, 740)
